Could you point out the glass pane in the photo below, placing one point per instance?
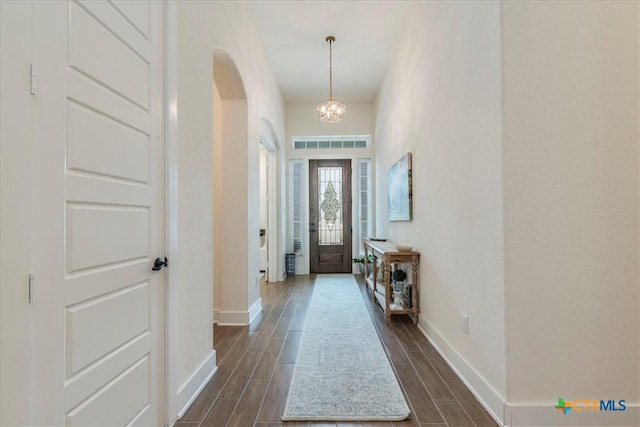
(330, 205)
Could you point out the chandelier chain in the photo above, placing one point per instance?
(330, 71)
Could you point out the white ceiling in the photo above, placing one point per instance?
(293, 33)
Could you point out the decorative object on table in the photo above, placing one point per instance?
(406, 296)
(398, 277)
(360, 261)
(377, 239)
(380, 276)
(404, 248)
(399, 191)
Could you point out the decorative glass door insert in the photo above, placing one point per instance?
(330, 226)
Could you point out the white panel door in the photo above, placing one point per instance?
(99, 203)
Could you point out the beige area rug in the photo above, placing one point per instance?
(342, 372)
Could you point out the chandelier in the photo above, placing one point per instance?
(330, 110)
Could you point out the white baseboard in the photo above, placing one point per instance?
(194, 385)
(216, 315)
(254, 310)
(521, 415)
(239, 318)
(233, 318)
(483, 391)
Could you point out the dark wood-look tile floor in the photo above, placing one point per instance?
(255, 365)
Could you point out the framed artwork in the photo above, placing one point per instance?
(399, 194)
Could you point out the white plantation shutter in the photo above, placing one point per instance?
(364, 200)
(295, 206)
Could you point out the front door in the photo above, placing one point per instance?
(330, 216)
(97, 205)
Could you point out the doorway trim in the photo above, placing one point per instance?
(303, 263)
(317, 250)
(269, 140)
(171, 210)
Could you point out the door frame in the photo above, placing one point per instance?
(347, 214)
(15, 223)
(269, 141)
(171, 211)
(304, 266)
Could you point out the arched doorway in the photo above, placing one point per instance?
(230, 199)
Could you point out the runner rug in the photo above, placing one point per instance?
(342, 372)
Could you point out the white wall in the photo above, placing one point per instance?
(441, 101)
(522, 118)
(571, 200)
(234, 216)
(203, 27)
(302, 120)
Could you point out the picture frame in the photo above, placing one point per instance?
(399, 190)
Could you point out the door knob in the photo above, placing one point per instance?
(159, 263)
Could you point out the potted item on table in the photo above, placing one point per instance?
(360, 261)
(398, 277)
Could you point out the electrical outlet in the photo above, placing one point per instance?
(465, 323)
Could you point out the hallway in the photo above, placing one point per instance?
(133, 138)
(255, 364)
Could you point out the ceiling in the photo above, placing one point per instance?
(294, 32)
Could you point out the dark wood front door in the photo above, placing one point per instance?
(330, 216)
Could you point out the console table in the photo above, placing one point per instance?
(388, 254)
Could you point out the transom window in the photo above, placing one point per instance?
(330, 142)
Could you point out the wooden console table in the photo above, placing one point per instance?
(388, 254)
